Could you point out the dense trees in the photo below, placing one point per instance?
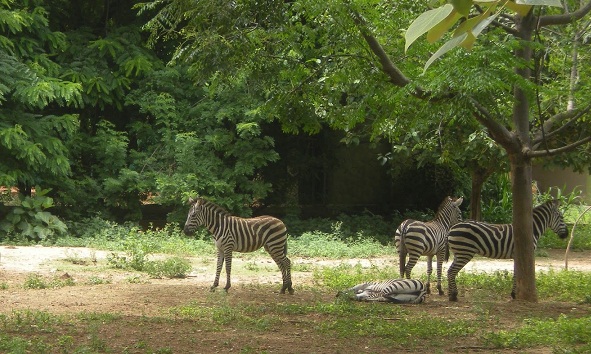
(517, 131)
(105, 121)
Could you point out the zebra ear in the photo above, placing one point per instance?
(459, 201)
(192, 200)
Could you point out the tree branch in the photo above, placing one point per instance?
(388, 67)
(544, 131)
(551, 20)
(567, 148)
(498, 132)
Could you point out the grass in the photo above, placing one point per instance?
(327, 319)
(239, 325)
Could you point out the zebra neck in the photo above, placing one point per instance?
(217, 223)
(443, 219)
(540, 225)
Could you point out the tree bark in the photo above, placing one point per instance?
(479, 177)
(524, 260)
(521, 169)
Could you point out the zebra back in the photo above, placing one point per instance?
(242, 234)
(420, 236)
(496, 240)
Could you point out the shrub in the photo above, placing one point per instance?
(174, 267)
(30, 220)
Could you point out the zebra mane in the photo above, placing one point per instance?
(211, 206)
(440, 208)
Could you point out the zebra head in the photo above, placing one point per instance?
(195, 217)
(556, 219)
(450, 210)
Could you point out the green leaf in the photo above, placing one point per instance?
(462, 6)
(425, 22)
(449, 45)
(442, 27)
(522, 10)
(556, 3)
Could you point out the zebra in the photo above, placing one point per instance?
(232, 233)
(417, 238)
(470, 238)
(397, 291)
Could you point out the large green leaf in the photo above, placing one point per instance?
(449, 45)
(425, 22)
(556, 3)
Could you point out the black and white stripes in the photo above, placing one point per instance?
(397, 291)
(232, 233)
(470, 238)
(417, 238)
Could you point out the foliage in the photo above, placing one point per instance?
(436, 22)
(31, 141)
(497, 201)
(563, 331)
(30, 221)
(36, 281)
(344, 227)
(172, 267)
(213, 148)
(318, 244)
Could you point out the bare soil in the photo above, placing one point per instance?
(144, 304)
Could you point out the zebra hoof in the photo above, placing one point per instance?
(290, 290)
(513, 295)
(453, 297)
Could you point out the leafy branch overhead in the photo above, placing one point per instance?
(437, 22)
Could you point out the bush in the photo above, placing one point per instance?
(174, 267)
(30, 221)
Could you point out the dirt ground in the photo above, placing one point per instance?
(140, 300)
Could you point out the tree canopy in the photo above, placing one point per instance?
(113, 104)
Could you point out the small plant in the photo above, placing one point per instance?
(30, 219)
(35, 281)
(174, 267)
(98, 281)
(134, 279)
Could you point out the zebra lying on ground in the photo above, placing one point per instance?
(232, 233)
(470, 238)
(417, 238)
(397, 291)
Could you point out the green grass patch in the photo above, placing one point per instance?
(561, 333)
(320, 244)
(36, 281)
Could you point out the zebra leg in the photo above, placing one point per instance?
(284, 265)
(452, 272)
(440, 257)
(228, 257)
(429, 271)
(514, 287)
(218, 270)
(412, 261)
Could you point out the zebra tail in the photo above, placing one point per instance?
(446, 258)
(402, 249)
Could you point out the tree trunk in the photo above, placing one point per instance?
(521, 170)
(479, 176)
(524, 260)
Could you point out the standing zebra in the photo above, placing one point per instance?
(232, 233)
(470, 238)
(417, 238)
